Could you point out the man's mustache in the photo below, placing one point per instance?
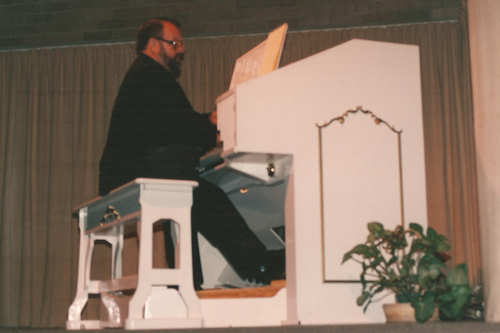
(179, 57)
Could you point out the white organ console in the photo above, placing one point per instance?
(360, 177)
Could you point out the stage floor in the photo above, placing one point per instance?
(435, 327)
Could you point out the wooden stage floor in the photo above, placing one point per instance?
(435, 327)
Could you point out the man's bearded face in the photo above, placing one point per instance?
(173, 63)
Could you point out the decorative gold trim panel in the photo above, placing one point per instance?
(341, 120)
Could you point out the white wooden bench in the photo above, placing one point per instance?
(142, 202)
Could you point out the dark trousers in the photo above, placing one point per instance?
(216, 218)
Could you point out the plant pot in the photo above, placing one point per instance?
(403, 313)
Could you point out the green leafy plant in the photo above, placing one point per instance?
(411, 263)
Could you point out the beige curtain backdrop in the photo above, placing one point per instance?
(55, 106)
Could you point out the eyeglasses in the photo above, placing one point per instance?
(174, 43)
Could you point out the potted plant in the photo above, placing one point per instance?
(411, 263)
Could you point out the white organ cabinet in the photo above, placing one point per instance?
(361, 176)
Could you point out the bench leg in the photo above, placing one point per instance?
(114, 318)
(82, 292)
(87, 243)
(114, 237)
(149, 277)
(143, 290)
(117, 251)
(186, 287)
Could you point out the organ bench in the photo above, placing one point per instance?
(142, 202)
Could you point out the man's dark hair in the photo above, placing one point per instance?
(151, 28)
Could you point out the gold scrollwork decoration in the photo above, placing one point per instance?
(342, 118)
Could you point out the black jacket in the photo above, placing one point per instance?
(154, 131)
